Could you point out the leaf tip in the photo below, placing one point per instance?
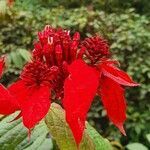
(121, 128)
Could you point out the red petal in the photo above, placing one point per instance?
(20, 92)
(1, 66)
(79, 90)
(7, 105)
(112, 95)
(34, 101)
(117, 75)
(36, 106)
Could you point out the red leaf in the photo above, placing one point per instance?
(36, 106)
(33, 101)
(79, 90)
(109, 70)
(20, 91)
(112, 95)
(7, 105)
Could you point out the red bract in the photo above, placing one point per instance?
(7, 104)
(111, 78)
(58, 67)
(79, 90)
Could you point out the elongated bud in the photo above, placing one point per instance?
(73, 50)
(58, 54)
(76, 36)
(54, 71)
(81, 52)
(74, 45)
(42, 36)
(47, 51)
(65, 68)
(37, 52)
(66, 49)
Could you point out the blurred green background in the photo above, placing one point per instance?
(125, 24)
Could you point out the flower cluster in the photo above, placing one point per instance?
(71, 70)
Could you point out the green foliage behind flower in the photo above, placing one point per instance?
(127, 32)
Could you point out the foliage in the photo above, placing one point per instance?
(141, 6)
(136, 146)
(13, 136)
(61, 132)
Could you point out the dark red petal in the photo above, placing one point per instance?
(7, 105)
(79, 90)
(1, 66)
(36, 106)
(117, 75)
(112, 95)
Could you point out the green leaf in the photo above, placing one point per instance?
(13, 136)
(98, 140)
(148, 137)
(16, 59)
(136, 146)
(26, 55)
(59, 129)
(61, 132)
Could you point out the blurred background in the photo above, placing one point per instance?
(125, 24)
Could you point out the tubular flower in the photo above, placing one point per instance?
(58, 71)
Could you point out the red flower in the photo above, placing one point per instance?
(57, 67)
(110, 80)
(47, 71)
